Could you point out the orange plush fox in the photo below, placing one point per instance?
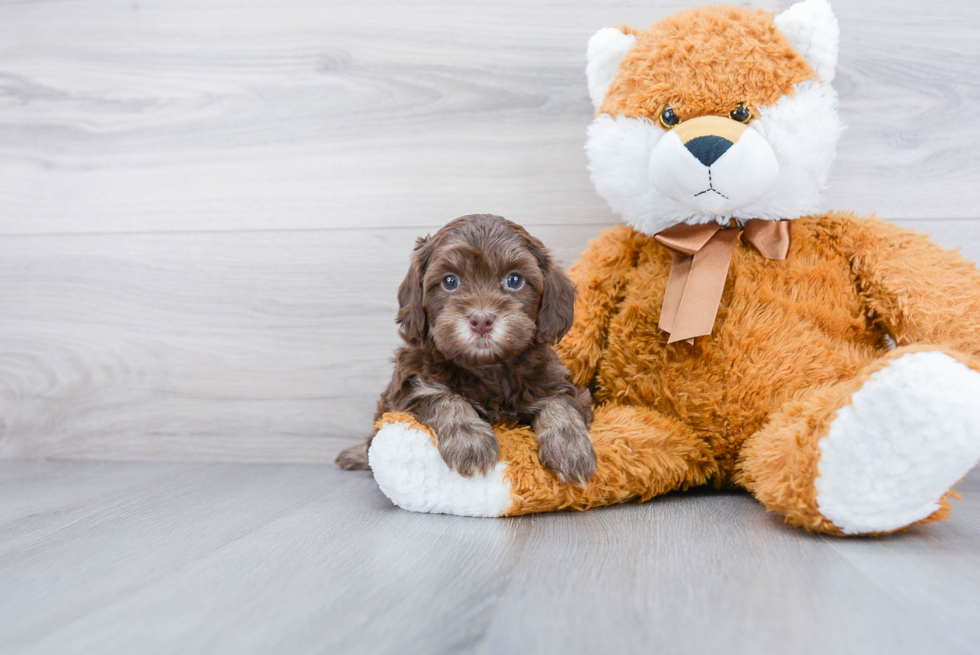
(733, 334)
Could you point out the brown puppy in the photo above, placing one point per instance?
(479, 310)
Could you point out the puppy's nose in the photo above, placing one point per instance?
(482, 322)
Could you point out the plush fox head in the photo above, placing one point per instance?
(715, 113)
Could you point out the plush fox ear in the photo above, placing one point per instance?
(607, 47)
(811, 28)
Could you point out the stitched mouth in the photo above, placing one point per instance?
(711, 188)
(712, 191)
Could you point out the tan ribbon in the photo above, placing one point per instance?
(702, 255)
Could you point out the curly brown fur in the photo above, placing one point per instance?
(480, 353)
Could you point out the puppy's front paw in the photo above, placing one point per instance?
(567, 450)
(469, 448)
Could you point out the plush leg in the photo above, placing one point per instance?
(874, 454)
(640, 454)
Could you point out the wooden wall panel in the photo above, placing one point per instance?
(257, 346)
(206, 207)
(247, 346)
(161, 116)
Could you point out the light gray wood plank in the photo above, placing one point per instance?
(269, 346)
(698, 572)
(31, 490)
(161, 116)
(304, 559)
(94, 552)
(949, 574)
(264, 346)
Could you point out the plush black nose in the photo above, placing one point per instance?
(708, 149)
(482, 323)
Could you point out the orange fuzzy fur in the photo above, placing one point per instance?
(744, 59)
(792, 341)
(746, 406)
(778, 464)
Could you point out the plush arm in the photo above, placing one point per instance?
(917, 291)
(601, 279)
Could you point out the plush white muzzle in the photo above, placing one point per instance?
(775, 169)
(717, 178)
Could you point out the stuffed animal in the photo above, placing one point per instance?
(734, 335)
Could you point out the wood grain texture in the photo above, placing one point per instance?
(169, 116)
(249, 346)
(309, 559)
(206, 207)
(255, 346)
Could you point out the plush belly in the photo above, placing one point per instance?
(782, 327)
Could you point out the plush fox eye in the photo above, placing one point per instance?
(450, 282)
(668, 118)
(741, 114)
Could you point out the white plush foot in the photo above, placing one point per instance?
(412, 474)
(910, 433)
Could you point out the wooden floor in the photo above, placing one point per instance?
(236, 558)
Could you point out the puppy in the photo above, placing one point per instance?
(481, 305)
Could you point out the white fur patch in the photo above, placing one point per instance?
(744, 174)
(813, 31)
(606, 50)
(801, 129)
(412, 474)
(910, 433)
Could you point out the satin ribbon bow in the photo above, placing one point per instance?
(702, 254)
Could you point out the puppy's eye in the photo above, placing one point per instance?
(741, 114)
(514, 282)
(450, 282)
(668, 118)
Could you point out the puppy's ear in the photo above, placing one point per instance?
(411, 312)
(557, 310)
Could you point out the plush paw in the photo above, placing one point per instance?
(410, 471)
(908, 435)
(469, 448)
(567, 450)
